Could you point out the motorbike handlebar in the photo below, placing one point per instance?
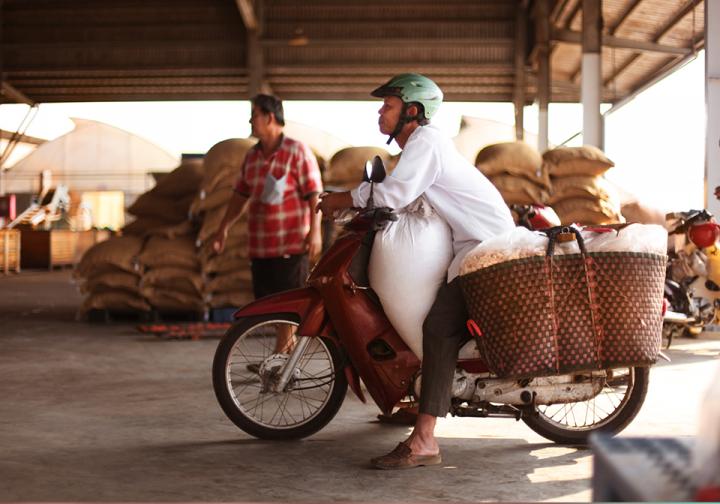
(688, 218)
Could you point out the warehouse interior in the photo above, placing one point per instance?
(97, 410)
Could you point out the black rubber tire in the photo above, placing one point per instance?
(620, 419)
(320, 419)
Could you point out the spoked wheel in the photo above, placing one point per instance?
(610, 411)
(247, 370)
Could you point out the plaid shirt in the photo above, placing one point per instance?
(279, 230)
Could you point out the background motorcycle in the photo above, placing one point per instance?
(692, 282)
(343, 335)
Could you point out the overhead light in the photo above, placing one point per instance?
(299, 38)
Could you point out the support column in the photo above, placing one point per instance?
(542, 34)
(520, 51)
(591, 83)
(712, 104)
(256, 63)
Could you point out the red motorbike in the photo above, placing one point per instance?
(341, 335)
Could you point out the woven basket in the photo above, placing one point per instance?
(541, 316)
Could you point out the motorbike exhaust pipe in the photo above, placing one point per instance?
(677, 318)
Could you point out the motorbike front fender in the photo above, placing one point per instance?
(305, 304)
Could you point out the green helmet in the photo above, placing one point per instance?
(413, 88)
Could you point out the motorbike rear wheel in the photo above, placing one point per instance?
(610, 411)
(246, 367)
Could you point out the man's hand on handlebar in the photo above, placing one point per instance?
(330, 202)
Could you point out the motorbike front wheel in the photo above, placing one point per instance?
(610, 411)
(246, 369)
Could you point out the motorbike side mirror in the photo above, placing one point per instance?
(374, 173)
(374, 170)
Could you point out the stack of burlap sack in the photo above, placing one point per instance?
(163, 210)
(171, 278)
(109, 276)
(153, 265)
(580, 193)
(226, 277)
(346, 167)
(517, 170)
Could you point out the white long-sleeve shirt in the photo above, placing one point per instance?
(459, 192)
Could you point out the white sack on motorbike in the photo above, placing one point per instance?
(522, 242)
(408, 264)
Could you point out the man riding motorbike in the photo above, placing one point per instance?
(473, 208)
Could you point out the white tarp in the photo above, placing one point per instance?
(94, 156)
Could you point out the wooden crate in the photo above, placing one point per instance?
(9, 250)
(57, 247)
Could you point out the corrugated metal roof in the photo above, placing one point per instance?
(114, 50)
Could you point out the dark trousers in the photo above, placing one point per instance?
(276, 274)
(444, 333)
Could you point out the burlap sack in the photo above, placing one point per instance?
(644, 214)
(211, 224)
(166, 208)
(517, 190)
(233, 280)
(585, 160)
(227, 155)
(111, 280)
(230, 260)
(119, 300)
(183, 180)
(587, 211)
(513, 158)
(205, 202)
(348, 165)
(171, 300)
(173, 278)
(116, 253)
(176, 252)
(230, 299)
(577, 186)
(145, 226)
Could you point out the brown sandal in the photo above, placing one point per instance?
(402, 458)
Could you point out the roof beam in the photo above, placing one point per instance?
(624, 16)
(395, 42)
(669, 25)
(574, 37)
(248, 14)
(15, 95)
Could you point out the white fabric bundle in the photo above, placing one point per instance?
(409, 262)
(521, 242)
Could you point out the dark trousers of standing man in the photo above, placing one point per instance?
(444, 332)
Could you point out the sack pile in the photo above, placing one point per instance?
(226, 276)
(163, 210)
(171, 279)
(580, 194)
(109, 276)
(517, 170)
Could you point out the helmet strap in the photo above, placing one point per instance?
(404, 119)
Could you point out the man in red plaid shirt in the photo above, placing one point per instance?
(280, 183)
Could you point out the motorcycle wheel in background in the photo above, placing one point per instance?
(244, 371)
(610, 411)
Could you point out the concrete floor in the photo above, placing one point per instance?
(104, 413)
